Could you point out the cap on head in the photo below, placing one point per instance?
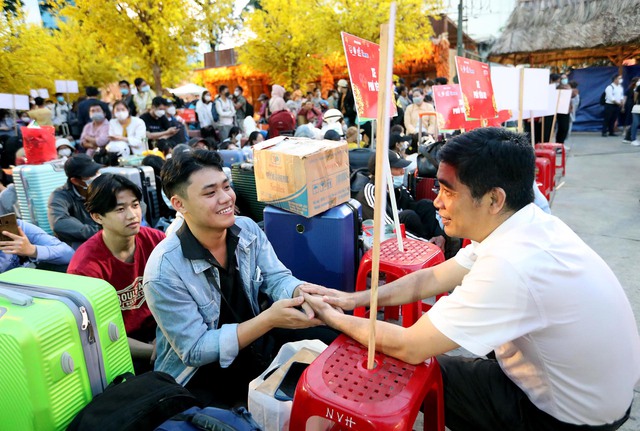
(80, 166)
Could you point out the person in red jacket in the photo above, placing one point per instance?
(118, 254)
(280, 120)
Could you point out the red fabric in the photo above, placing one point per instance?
(280, 121)
(94, 259)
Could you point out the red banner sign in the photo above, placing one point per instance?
(450, 108)
(363, 60)
(477, 91)
(188, 115)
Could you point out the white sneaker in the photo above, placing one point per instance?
(626, 141)
(636, 143)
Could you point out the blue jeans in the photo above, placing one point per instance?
(635, 122)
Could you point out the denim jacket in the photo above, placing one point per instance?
(186, 307)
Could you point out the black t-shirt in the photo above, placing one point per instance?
(155, 125)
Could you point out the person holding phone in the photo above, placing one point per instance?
(23, 243)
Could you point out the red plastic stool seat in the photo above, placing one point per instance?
(563, 154)
(551, 156)
(543, 176)
(337, 386)
(395, 264)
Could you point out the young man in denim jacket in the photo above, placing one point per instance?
(202, 285)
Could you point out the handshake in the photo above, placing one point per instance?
(311, 305)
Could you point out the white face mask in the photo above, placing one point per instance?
(88, 181)
(207, 98)
(171, 110)
(236, 93)
(64, 152)
(122, 115)
(159, 113)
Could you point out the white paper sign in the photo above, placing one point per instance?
(66, 86)
(535, 81)
(21, 102)
(33, 93)
(14, 101)
(43, 92)
(564, 102)
(506, 87)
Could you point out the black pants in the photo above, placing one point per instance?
(563, 121)
(611, 112)
(479, 396)
(228, 387)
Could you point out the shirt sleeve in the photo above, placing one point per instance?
(102, 134)
(49, 248)
(138, 133)
(491, 307)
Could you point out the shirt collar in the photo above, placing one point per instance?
(524, 215)
(192, 249)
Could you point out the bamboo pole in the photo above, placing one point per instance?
(385, 68)
(552, 137)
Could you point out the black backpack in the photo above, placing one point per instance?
(603, 96)
(134, 403)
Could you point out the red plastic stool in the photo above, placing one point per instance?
(337, 386)
(395, 264)
(543, 176)
(563, 154)
(551, 156)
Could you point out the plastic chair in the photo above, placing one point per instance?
(543, 176)
(563, 152)
(338, 387)
(395, 264)
(551, 156)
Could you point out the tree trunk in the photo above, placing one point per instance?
(157, 79)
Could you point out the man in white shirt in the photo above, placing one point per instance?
(567, 350)
(613, 100)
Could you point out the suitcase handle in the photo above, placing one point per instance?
(16, 298)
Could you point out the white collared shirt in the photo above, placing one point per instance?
(614, 94)
(555, 314)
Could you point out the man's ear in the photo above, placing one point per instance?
(498, 200)
(177, 203)
(76, 182)
(96, 218)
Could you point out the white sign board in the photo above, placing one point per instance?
(560, 99)
(506, 88)
(14, 101)
(535, 81)
(66, 87)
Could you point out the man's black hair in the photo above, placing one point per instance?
(177, 171)
(493, 157)
(156, 162)
(554, 77)
(138, 81)
(125, 82)
(92, 91)
(103, 193)
(441, 80)
(39, 101)
(234, 131)
(613, 78)
(58, 94)
(158, 101)
(222, 88)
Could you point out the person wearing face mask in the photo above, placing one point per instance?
(563, 120)
(92, 99)
(127, 129)
(226, 112)
(65, 148)
(175, 121)
(127, 97)
(419, 217)
(204, 111)
(158, 126)
(240, 105)
(60, 111)
(68, 217)
(412, 118)
(144, 98)
(614, 97)
(96, 133)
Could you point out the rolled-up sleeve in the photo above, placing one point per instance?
(49, 248)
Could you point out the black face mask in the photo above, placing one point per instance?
(226, 94)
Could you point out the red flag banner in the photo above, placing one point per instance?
(449, 106)
(362, 61)
(477, 91)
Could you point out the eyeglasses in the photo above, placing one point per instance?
(436, 188)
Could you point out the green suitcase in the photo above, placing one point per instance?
(244, 184)
(62, 341)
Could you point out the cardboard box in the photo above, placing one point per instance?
(304, 176)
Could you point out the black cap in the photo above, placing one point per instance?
(263, 97)
(395, 161)
(80, 166)
(332, 135)
(396, 138)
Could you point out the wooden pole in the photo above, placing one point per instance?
(521, 102)
(387, 32)
(533, 130)
(552, 137)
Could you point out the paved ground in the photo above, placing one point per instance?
(599, 198)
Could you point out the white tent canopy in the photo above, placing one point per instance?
(188, 89)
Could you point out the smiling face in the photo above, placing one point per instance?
(462, 215)
(209, 200)
(124, 219)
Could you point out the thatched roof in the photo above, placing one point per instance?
(549, 25)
